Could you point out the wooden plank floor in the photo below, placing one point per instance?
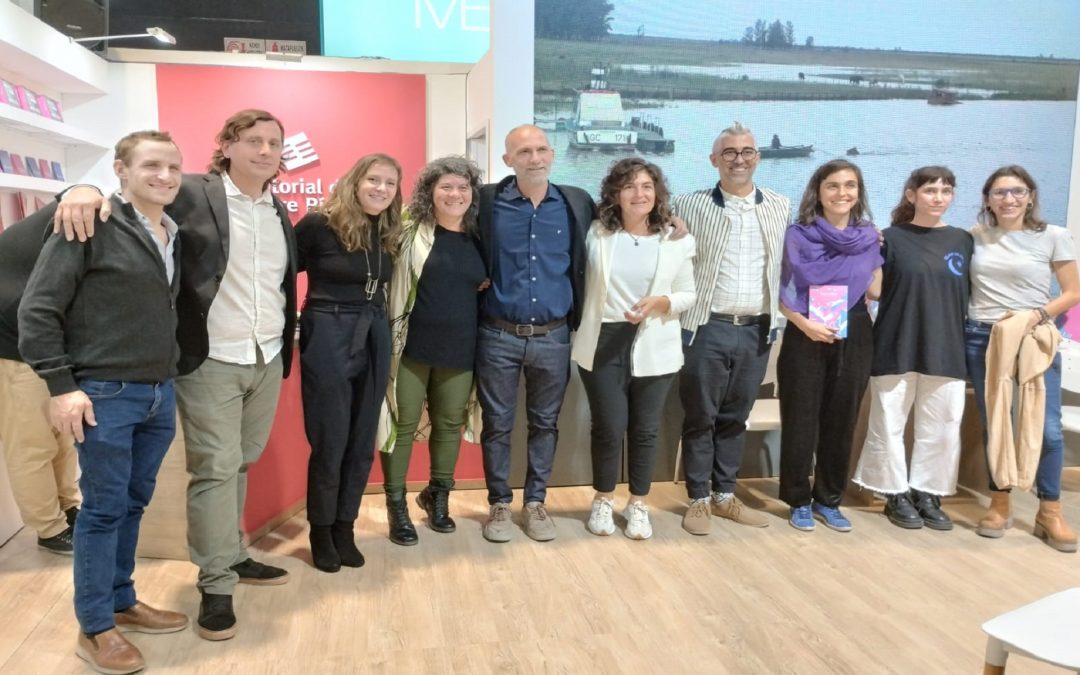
(775, 600)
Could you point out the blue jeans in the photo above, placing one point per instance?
(500, 359)
(120, 459)
(1048, 475)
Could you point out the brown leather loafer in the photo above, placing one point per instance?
(142, 618)
(109, 653)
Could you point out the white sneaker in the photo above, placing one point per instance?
(638, 525)
(601, 522)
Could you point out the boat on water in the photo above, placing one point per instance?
(942, 97)
(599, 123)
(785, 151)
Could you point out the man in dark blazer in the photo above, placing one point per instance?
(533, 242)
(237, 317)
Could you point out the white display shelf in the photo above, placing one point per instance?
(46, 129)
(12, 181)
(44, 56)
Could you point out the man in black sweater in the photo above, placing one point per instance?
(98, 323)
(41, 462)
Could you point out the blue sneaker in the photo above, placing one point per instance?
(801, 518)
(831, 516)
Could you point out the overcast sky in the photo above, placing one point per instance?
(1017, 27)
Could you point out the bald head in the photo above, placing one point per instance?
(529, 154)
(523, 132)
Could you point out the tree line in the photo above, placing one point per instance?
(573, 19)
(773, 35)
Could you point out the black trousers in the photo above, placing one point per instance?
(821, 388)
(718, 386)
(623, 405)
(344, 369)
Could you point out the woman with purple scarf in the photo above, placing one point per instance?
(832, 265)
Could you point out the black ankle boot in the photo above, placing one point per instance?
(929, 508)
(435, 500)
(402, 531)
(345, 543)
(323, 553)
(900, 512)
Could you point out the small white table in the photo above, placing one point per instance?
(1047, 630)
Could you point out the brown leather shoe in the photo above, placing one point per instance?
(998, 518)
(109, 653)
(142, 618)
(1051, 526)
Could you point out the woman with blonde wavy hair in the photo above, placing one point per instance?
(434, 305)
(346, 247)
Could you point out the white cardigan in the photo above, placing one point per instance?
(657, 347)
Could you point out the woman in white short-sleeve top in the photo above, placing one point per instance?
(1017, 256)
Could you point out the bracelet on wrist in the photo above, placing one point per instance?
(1044, 316)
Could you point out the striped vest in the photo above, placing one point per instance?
(704, 214)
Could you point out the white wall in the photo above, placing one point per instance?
(479, 106)
(512, 36)
(1073, 212)
(446, 115)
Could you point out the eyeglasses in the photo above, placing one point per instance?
(747, 154)
(1016, 192)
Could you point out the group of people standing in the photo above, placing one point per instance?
(448, 307)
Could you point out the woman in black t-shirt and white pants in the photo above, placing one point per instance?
(919, 356)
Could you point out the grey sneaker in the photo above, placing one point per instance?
(499, 527)
(538, 525)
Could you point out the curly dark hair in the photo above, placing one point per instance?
(422, 205)
(622, 173)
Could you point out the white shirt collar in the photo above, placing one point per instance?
(232, 191)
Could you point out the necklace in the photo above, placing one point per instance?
(637, 239)
(371, 287)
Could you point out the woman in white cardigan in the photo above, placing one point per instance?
(629, 345)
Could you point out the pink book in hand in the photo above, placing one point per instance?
(829, 306)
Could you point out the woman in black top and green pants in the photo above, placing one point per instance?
(346, 248)
(434, 309)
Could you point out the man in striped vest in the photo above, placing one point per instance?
(739, 228)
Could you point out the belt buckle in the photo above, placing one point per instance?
(524, 330)
(740, 320)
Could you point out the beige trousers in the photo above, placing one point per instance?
(226, 411)
(41, 463)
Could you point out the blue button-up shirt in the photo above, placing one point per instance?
(530, 275)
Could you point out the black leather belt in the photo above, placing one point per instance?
(740, 320)
(524, 329)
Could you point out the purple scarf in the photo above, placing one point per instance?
(818, 254)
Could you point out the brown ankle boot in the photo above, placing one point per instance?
(998, 518)
(1051, 526)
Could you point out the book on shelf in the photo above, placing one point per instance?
(28, 100)
(32, 167)
(50, 107)
(828, 305)
(46, 168)
(17, 165)
(10, 94)
(5, 162)
(57, 171)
